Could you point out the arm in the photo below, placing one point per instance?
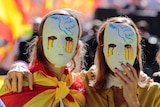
(14, 79)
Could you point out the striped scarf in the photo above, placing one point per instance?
(48, 91)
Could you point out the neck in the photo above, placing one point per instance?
(118, 96)
(57, 71)
(117, 90)
(113, 81)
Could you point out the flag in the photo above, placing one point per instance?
(13, 20)
(48, 90)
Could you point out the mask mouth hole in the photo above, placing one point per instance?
(61, 54)
(120, 62)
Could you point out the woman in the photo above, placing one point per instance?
(118, 66)
(55, 84)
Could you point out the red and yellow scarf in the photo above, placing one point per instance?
(48, 91)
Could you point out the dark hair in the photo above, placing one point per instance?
(143, 25)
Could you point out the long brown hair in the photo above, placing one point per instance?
(103, 69)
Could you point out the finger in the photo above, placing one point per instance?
(29, 76)
(133, 71)
(122, 81)
(142, 76)
(20, 81)
(14, 83)
(151, 80)
(128, 71)
(119, 74)
(148, 80)
(7, 83)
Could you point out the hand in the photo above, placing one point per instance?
(156, 76)
(14, 79)
(129, 80)
(144, 78)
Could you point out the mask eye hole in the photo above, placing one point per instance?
(69, 44)
(127, 46)
(110, 49)
(69, 39)
(52, 37)
(128, 52)
(50, 41)
(111, 45)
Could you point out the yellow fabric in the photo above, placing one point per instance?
(5, 48)
(2, 80)
(51, 96)
(13, 17)
(49, 4)
(148, 97)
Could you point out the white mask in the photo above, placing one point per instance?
(60, 38)
(120, 45)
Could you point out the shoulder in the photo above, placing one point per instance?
(89, 76)
(152, 88)
(155, 86)
(150, 95)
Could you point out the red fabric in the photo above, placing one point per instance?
(70, 98)
(10, 99)
(5, 32)
(25, 16)
(37, 66)
(77, 84)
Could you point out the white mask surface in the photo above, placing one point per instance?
(120, 45)
(60, 38)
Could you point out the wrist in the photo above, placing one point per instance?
(134, 104)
